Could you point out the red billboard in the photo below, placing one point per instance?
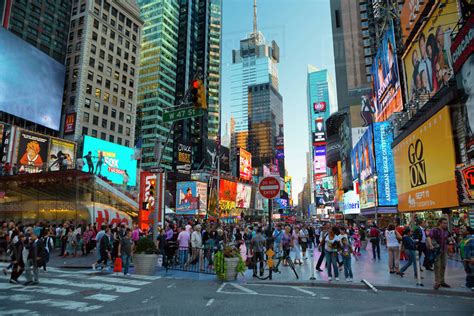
(146, 198)
(70, 123)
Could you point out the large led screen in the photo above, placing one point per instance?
(31, 82)
(319, 160)
(362, 158)
(116, 160)
(244, 193)
(191, 198)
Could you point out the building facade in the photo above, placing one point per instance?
(102, 70)
(157, 80)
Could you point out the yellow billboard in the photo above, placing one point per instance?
(425, 166)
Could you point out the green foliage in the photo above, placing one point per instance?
(220, 265)
(241, 267)
(145, 245)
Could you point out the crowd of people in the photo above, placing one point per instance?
(193, 244)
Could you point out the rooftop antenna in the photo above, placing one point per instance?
(255, 30)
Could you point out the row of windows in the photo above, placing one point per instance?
(129, 25)
(103, 136)
(103, 43)
(105, 111)
(104, 123)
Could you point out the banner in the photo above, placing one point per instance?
(245, 165)
(187, 199)
(385, 78)
(367, 194)
(351, 203)
(62, 154)
(425, 166)
(184, 161)
(201, 188)
(362, 157)
(319, 160)
(244, 194)
(428, 61)
(32, 151)
(70, 123)
(146, 198)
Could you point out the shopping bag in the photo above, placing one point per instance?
(118, 265)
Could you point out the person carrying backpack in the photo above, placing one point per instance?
(374, 235)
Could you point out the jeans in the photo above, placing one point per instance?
(411, 261)
(257, 257)
(376, 247)
(331, 261)
(30, 265)
(183, 256)
(125, 263)
(347, 267)
(393, 258)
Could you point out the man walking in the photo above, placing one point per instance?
(419, 235)
(439, 244)
(36, 256)
(322, 244)
(257, 247)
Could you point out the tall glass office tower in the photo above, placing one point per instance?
(157, 78)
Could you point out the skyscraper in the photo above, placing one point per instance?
(157, 79)
(199, 54)
(102, 70)
(253, 64)
(44, 24)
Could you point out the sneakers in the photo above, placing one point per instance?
(12, 281)
(349, 280)
(329, 279)
(94, 266)
(337, 279)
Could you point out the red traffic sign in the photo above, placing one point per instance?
(269, 187)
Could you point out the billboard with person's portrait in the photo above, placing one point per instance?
(33, 151)
(362, 157)
(187, 199)
(244, 194)
(428, 61)
(62, 154)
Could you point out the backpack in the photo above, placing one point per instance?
(374, 232)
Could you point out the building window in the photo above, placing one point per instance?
(73, 86)
(96, 106)
(89, 89)
(78, 46)
(124, 79)
(96, 23)
(113, 113)
(108, 72)
(104, 123)
(114, 100)
(85, 117)
(123, 91)
(94, 133)
(105, 110)
(129, 119)
(95, 120)
(127, 143)
(75, 72)
(76, 59)
(122, 104)
(127, 131)
(98, 92)
(100, 67)
(106, 96)
(119, 140)
(90, 75)
(129, 107)
(99, 80)
(107, 83)
(94, 36)
(121, 116)
(93, 48)
(102, 54)
(103, 136)
(87, 103)
(120, 129)
(112, 34)
(103, 41)
(116, 75)
(91, 62)
(112, 126)
(85, 130)
(131, 83)
(130, 95)
(115, 87)
(110, 58)
(111, 138)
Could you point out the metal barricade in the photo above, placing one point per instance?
(200, 260)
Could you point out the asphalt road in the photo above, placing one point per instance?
(66, 292)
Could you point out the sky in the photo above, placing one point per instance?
(302, 29)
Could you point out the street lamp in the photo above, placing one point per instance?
(375, 177)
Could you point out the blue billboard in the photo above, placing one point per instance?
(386, 185)
(31, 82)
(187, 199)
(112, 161)
(362, 157)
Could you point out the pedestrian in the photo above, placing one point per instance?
(467, 255)
(36, 256)
(257, 246)
(410, 249)
(303, 238)
(277, 238)
(16, 246)
(105, 250)
(363, 237)
(196, 248)
(184, 238)
(247, 240)
(125, 180)
(136, 233)
(321, 246)
(331, 248)
(90, 164)
(98, 239)
(357, 242)
(125, 250)
(374, 235)
(48, 246)
(286, 244)
(346, 252)
(297, 245)
(393, 245)
(419, 235)
(438, 244)
(87, 238)
(100, 161)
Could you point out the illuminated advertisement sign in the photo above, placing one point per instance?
(319, 135)
(362, 157)
(351, 203)
(146, 198)
(227, 190)
(319, 160)
(187, 199)
(5, 142)
(367, 194)
(463, 44)
(244, 194)
(31, 82)
(288, 181)
(117, 160)
(357, 134)
(70, 123)
(183, 164)
(245, 165)
(386, 183)
(62, 154)
(33, 151)
(428, 61)
(425, 166)
(319, 107)
(201, 189)
(409, 16)
(385, 76)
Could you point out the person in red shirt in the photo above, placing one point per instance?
(400, 229)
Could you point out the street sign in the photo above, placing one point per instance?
(156, 170)
(181, 114)
(269, 187)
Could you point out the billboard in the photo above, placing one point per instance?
(146, 198)
(411, 12)
(367, 194)
(463, 45)
(61, 149)
(288, 183)
(385, 78)
(33, 151)
(425, 166)
(70, 124)
(319, 135)
(245, 165)
(351, 203)
(31, 82)
(227, 198)
(184, 161)
(201, 189)
(117, 160)
(386, 183)
(362, 157)
(319, 160)
(357, 134)
(187, 198)
(319, 107)
(244, 194)
(428, 61)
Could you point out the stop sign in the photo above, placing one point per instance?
(269, 187)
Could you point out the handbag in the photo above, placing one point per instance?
(118, 265)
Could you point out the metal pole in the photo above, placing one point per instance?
(270, 207)
(218, 183)
(158, 184)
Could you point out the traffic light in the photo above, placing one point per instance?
(198, 95)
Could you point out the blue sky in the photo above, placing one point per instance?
(302, 29)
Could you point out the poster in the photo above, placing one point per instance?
(201, 189)
(245, 165)
(319, 160)
(62, 154)
(32, 152)
(146, 198)
(367, 194)
(362, 158)
(187, 200)
(244, 194)
(184, 161)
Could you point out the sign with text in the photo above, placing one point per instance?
(269, 187)
(181, 114)
(70, 123)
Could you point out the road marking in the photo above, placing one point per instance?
(68, 305)
(210, 302)
(108, 279)
(102, 297)
(18, 311)
(171, 285)
(46, 290)
(243, 289)
(221, 287)
(304, 291)
(325, 298)
(16, 297)
(97, 286)
(369, 285)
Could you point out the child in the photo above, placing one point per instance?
(346, 258)
(357, 243)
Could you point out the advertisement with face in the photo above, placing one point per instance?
(31, 82)
(32, 151)
(244, 194)
(465, 80)
(62, 154)
(319, 160)
(367, 194)
(386, 183)
(111, 161)
(362, 158)
(201, 188)
(187, 199)
(386, 81)
(425, 166)
(411, 12)
(245, 164)
(428, 62)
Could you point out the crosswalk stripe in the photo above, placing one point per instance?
(68, 305)
(102, 297)
(97, 286)
(18, 311)
(37, 289)
(108, 279)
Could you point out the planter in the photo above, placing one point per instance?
(231, 271)
(145, 264)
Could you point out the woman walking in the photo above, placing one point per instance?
(410, 249)
(286, 242)
(297, 246)
(393, 244)
(303, 237)
(332, 245)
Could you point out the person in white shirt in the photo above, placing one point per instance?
(196, 248)
(331, 247)
(393, 239)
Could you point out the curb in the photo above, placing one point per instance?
(361, 286)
